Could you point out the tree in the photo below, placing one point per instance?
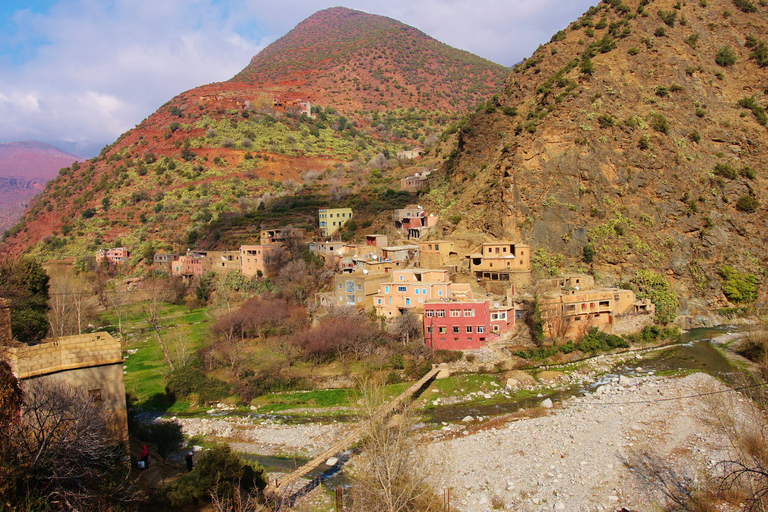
(62, 452)
(391, 472)
(70, 303)
(155, 295)
(406, 326)
(25, 283)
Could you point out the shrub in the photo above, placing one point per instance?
(694, 136)
(559, 36)
(606, 120)
(191, 379)
(587, 68)
(747, 204)
(651, 285)
(737, 286)
(692, 40)
(633, 51)
(760, 54)
(644, 142)
(660, 32)
(725, 57)
(659, 123)
(88, 213)
(668, 17)
(757, 110)
(588, 253)
(725, 170)
(745, 6)
(595, 340)
(747, 172)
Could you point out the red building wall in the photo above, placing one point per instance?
(456, 325)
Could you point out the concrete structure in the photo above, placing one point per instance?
(332, 219)
(281, 235)
(252, 259)
(92, 361)
(414, 220)
(163, 259)
(567, 282)
(399, 252)
(117, 255)
(410, 289)
(435, 253)
(499, 261)
(415, 182)
(357, 289)
(376, 240)
(571, 312)
(408, 154)
(219, 262)
(187, 266)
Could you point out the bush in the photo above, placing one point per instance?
(747, 172)
(660, 32)
(668, 17)
(757, 110)
(747, 204)
(659, 123)
(694, 136)
(725, 57)
(588, 253)
(737, 286)
(651, 285)
(192, 380)
(595, 340)
(745, 6)
(219, 469)
(726, 171)
(755, 349)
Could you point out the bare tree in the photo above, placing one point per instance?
(392, 471)
(406, 326)
(180, 345)
(63, 452)
(70, 301)
(155, 295)
(117, 300)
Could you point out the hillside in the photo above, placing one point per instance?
(216, 157)
(25, 167)
(639, 133)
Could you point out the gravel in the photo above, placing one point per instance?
(573, 459)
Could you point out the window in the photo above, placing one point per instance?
(416, 291)
(378, 301)
(494, 316)
(456, 329)
(455, 313)
(439, 293)
(401, 288)
(421, 300)
(423, 291)
(440, 313)
(469, 329)
(407, 301)
(359, 287)
(469, 312)
(386, 289)
(351, 300)
(339, 286)
(480, 329)
(495, 328)
(350, 287)
(429, 330)
(441, 330)
(401, 278)
(604, 304)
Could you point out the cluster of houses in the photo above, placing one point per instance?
(429, 279)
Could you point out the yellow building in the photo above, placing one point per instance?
(332, 219)
(435, 253)
(410, 289)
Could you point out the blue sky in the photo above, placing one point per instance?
(78, 73)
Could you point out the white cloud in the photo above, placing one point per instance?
(104, 66)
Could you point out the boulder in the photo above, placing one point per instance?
(550, 376)
(547, 403)
(518, 378)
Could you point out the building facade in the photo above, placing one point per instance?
(499, 261)
(332, 219)
(252, 259)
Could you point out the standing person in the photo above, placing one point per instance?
(145, 456)
(188, 459)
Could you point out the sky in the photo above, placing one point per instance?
(78, 73)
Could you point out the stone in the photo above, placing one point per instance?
(625, 381)
(560, 506)
(467, 419)
(332, 461)
(547, 404)
(550, 376)
(520, 377)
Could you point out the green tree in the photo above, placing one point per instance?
(25, 283)
(738, 287)
(651, 285)
(725, 57)
(220, 470)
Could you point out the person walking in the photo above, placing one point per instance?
(188, 459)
(144, 457)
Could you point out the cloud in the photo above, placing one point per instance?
(88, 70)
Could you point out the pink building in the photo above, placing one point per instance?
(114, 255)
(187, 266)
(464, 324)
(410, 289)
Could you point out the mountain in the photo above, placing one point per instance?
(321, 113)
(25, 167)
(635, 139)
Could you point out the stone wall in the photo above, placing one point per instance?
(65, 353)
(628, 324)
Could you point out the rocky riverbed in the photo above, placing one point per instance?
(576, 457)
(571, 455)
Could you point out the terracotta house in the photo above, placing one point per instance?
(252, 258)
(188, 265)
(281, 235)
(416, 181)
(410, 289)
(435, 253)
(499, 261)
(115, 255)
(219, 262)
